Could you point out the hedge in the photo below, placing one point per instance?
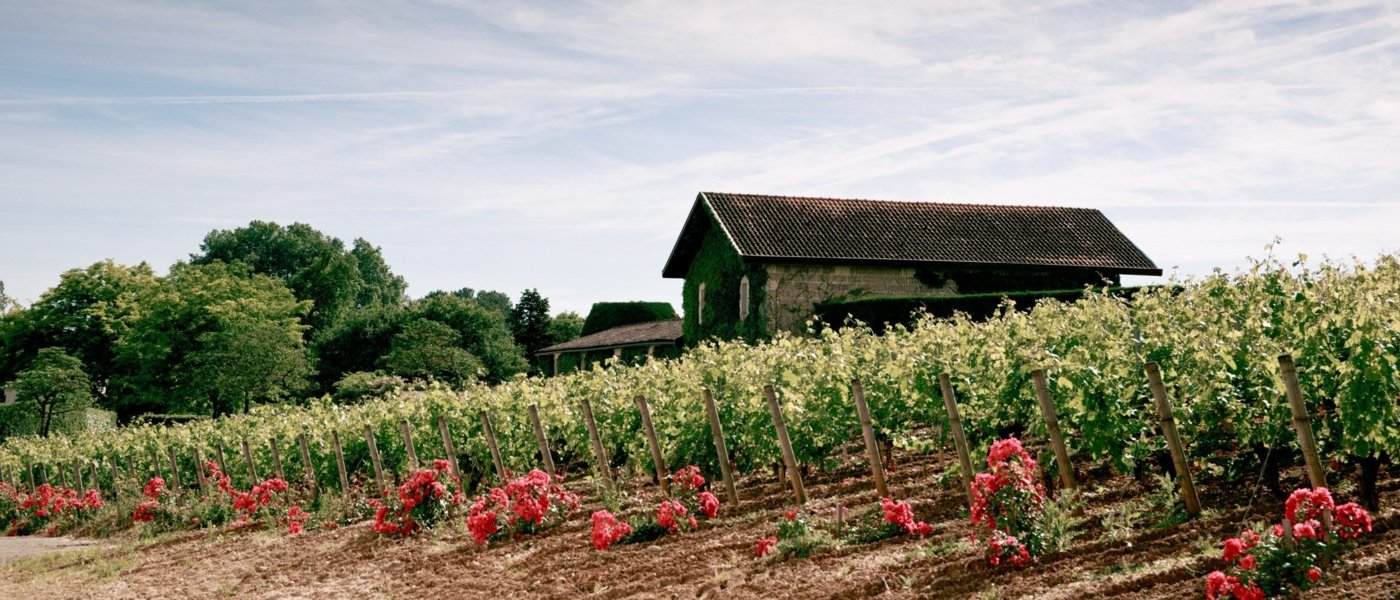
(607, 315)
(882, 310)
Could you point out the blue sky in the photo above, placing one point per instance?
(510, 145)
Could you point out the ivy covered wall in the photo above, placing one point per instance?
(717, 264)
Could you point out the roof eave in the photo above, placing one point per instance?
(673, 268)
(825, 260)
(553, 350)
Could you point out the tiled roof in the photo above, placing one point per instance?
(831, 230)
(657, 332)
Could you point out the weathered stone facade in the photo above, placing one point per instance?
(792, 291)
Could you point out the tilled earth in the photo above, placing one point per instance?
(1116, 552)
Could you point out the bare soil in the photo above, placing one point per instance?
(1111, 555)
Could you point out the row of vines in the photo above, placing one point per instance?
(1216, 339)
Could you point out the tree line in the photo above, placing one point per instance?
(261, 314)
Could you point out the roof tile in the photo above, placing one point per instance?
(881, 231)
(659, 332)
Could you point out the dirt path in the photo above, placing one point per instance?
(12, 548)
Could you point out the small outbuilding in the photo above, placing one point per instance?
(754, 265)
(657, 338)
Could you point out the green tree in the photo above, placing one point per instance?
(565, 326)
(378, 285)
(51, 387)
(484, 332)
(498, 302)
(357, 342)
(431, 350)
(193, 322)
(247, 359)
(6, 302)
(529, 322)
(86, 314)
(315, 266)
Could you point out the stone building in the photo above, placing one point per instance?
(754, 265)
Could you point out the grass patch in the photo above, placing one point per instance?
(100, 563)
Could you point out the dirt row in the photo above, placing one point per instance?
(1109, 557)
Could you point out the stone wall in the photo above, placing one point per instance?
(792, 290)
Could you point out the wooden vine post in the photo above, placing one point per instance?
(1178, 450)
(662, 472)
(1306, 441)
(340, 464)
(449, 449)
(1052, 424)
(175, 471)
(950, 403)
(199, 473)
(872, 448)
(789, 459)
(219, 456)
(30, 468)
(540, 439)
(307, 467)
(373, 445)
(491, 444)
(407, 432)
(276, 459)
(721, 451)
(92, 476)
(116, 486)
(78, 474)
(155, 463)
(599, 454)
(248, 460)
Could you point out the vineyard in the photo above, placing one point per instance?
(1216, 340)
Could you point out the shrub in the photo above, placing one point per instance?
(48, 508)
(526, 505)
(1008, 505)
(607, 315)
(421, 503)
(1280, 562)
(681, 512)
(269, 503)
(608, 530)
(879, 310)
(151, 511)
(799, 536)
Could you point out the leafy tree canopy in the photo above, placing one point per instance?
(6, 302)
(484, 332)
(85, 314)
(565, 326)
(428, 349)
(529, 322)
(51, 387)
(492, 300)
(192, 324)
(315, 266)
(365, 336)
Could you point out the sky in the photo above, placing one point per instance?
(559, 146)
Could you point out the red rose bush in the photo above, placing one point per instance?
(420, 503)
(1007, 506)
(526, 505)
(689, 502)
(1313, 536)
(48, 508)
